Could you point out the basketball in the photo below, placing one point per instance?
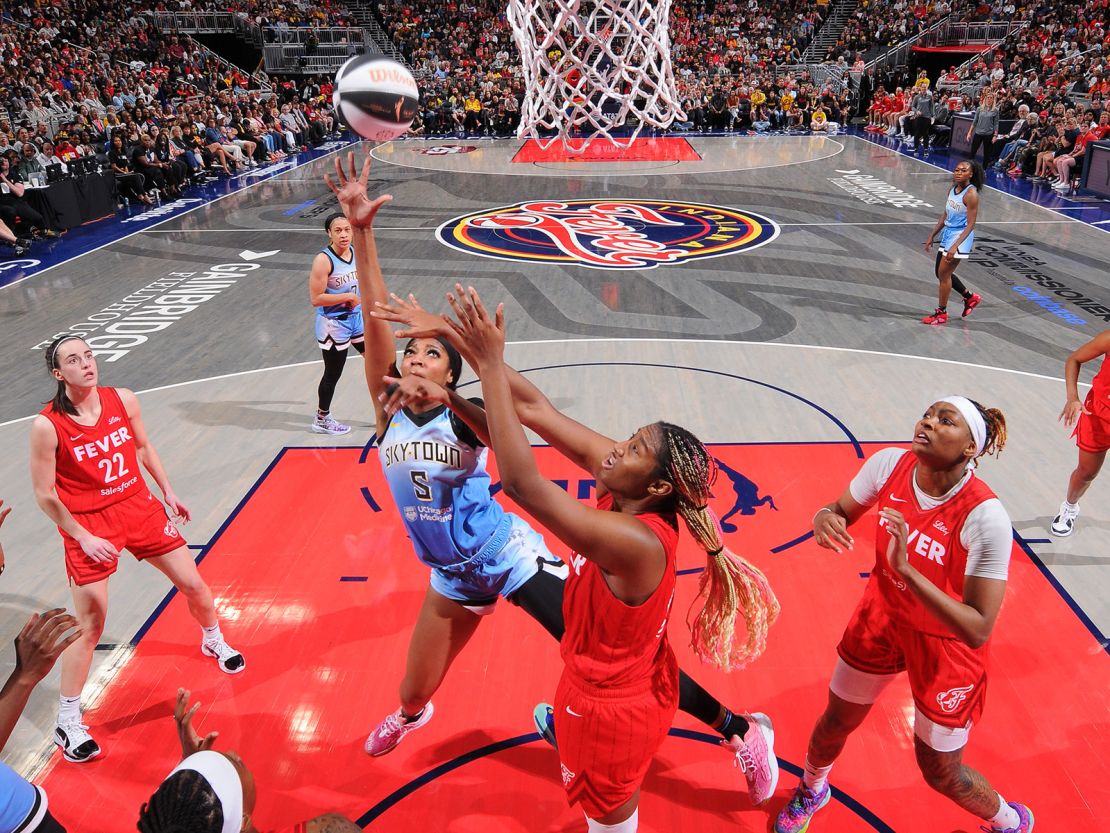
(376, 97)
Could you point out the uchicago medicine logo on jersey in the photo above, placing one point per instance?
(607, 234)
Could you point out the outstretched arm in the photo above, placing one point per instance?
(575, 441)
(360, 210)
(148, 457)
(618, 543)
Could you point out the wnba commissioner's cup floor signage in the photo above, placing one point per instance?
(607, 234)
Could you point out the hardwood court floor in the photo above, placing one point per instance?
(810, 338)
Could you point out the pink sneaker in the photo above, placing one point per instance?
(755, 755)
(393, 729)
(1025, 824)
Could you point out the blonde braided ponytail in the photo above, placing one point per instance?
(730, 586)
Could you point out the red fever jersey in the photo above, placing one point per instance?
(933, 548)
(1092, 433)
(96, 465)
(607, 643)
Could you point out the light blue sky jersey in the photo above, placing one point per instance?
(17, 799)
(441, 489)
(955, 212)
(343, 278)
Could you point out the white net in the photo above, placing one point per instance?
(592, 68)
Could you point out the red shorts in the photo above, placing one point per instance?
(138, 524)
(607, 740)
(948, 679)
(1092, 433)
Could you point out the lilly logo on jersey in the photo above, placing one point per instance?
(114, 420)
(921, 544)
(607, 234)
(949, 701)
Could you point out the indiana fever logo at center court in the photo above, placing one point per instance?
(640, 234)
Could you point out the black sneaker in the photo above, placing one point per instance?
(75, 741)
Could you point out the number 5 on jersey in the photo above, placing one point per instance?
(420, 484)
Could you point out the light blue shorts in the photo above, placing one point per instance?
(948, 237)
(477, 584)
(339, 333)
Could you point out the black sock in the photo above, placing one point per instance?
(733, 724)
(414, 717)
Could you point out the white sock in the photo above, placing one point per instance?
(629, 825)
(69, 709)
(1071, 507)
(816, 777)
(212, 634)
(1006, 818)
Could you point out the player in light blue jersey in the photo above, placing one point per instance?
(956, 228)
(333, 291)
(432, 448)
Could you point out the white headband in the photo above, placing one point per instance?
(61, 341)
(972, 417)
(224, 780)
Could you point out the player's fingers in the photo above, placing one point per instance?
(363, 177)
(29, 626)
(476, 302)
(331, 185)
(499, 318)
(340, 177)
(4, 513)
(413, 302)
(351, 163)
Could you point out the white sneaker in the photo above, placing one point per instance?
(75, 741)
(1063, 524)
(327, 425)
(229, 660)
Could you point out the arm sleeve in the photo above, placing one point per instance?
(989, 538)
(868, 483)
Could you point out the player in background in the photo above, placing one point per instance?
(942, 554)
(333, 291)
(1091, 420)
(956, 228)
(86, 448)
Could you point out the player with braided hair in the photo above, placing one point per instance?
(942, 553)
(213, 792)
(619, 689)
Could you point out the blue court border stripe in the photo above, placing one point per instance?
(1088, 623)
(398, 795)
(146, 626)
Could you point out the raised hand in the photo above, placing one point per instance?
(350, 189)
(42, 641)
(899, 537)
(417, 321)
(191, 742)
(483, 335)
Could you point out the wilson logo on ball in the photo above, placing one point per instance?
(640, 234)
(376, 97)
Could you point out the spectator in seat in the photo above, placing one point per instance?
(131, 185)
(15, 211)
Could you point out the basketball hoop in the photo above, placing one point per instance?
(592, 67)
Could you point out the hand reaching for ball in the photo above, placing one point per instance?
(359, 209)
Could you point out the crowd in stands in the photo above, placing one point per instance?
(277, 13)
(879, 24)
(84, 79)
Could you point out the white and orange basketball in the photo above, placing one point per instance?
(376, 97)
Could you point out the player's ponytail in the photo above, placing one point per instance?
(976, 175)
(61, 403)
(730, 586)
(996, 430)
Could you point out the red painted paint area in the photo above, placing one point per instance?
(643, 149)
(325, 658)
